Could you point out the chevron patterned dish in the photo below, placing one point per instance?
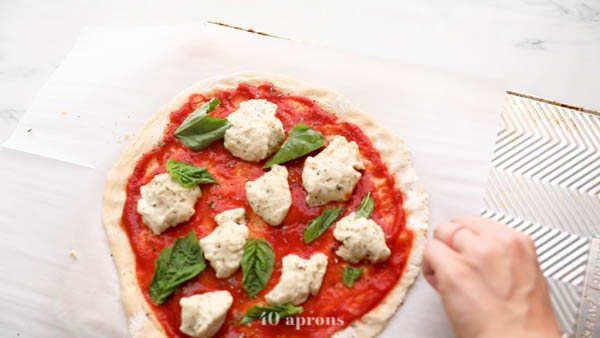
(545, 181)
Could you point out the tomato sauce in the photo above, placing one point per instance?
(336, 304)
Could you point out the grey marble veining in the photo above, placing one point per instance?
(8, 121)
(578, 10)
(534, 44)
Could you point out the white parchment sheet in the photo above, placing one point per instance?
(52, 169)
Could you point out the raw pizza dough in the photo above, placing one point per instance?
(141, 319)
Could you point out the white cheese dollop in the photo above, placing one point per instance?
(256, 132)
(231, 215)
(269, 195)
(165, 203)
(224, 247)
(203, 315)
(362, 238)
(332, 175)
(299, 277)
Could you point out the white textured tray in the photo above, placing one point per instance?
(545, 182)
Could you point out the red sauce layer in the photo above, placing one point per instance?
(334, 299)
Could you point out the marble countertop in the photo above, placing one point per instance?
(545, 48)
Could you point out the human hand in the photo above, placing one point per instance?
(489, 279)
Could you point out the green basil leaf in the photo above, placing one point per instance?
(257, 265)
(174, 265)
(302, 140)
(199, 129)
(351, 274)
(188, 175)
(366, 207)
(320, 224)
(260, 312)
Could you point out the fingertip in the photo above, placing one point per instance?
(438, 262)
(431, 279)
(478, 224)
(428, 271)
(430, 247)
(464, 219)
(443, 229)
(458, 217)
(436, 252)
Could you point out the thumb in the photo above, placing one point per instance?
(438, 262)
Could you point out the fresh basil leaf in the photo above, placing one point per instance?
(199, 129)
(188, 175)
(260, 312)
(350, 275)
(320, 224)
(174, 265)
(257, 265)
(366, 207)
(301, 140)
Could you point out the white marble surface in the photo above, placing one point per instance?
(540, 47)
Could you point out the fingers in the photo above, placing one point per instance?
(479, 224)
(438, 262)
(463, 240)
(429, 274)
(456, 236)
(492, 230)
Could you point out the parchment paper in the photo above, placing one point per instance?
(54, 165)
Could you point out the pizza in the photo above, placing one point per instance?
(256, 205)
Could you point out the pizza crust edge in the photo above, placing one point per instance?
(142, 321)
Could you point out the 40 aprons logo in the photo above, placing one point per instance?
(273, 318)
